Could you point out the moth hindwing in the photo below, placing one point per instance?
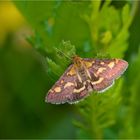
(84, 76)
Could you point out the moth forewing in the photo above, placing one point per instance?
(84, 76)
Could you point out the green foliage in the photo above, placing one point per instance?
(99, 112)
(105, 32)
(62, 58)
(131, 125)
(97, 29)
(54, 21)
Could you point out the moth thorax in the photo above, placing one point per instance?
(77, 61)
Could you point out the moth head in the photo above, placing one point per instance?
(77, 60)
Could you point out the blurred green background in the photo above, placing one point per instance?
(29, 66)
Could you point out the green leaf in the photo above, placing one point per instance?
(56, 20)
(95, 28)
(125, 14)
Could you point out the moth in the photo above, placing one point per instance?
(84, 76)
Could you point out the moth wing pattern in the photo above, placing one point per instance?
(107, 70)
(99, 75)
(63, 89)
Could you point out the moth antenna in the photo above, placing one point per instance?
(63, 54)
